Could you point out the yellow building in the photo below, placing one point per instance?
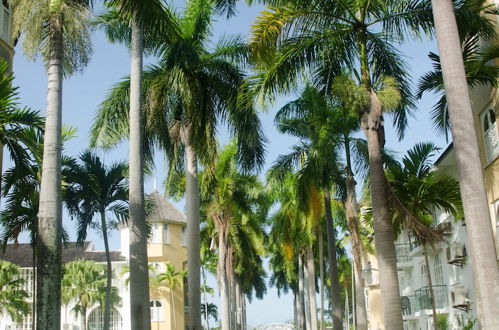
(167, 245)
(6, 44)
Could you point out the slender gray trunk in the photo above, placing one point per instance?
(109, 274)
(306, 296)
(50, 210)
(139, 272)
(206, 316)
(84, 319)
(430, 285)
(193, 234)
(357, 249)
(337, 312)
(238, 305)
(321, 273)
(223, 282)
(232, 300)
(476, 212)
(245, 322)
(311, 287)
(295, 309)
(383, 229)
(300, 304)
(347, 309)
(33, 293)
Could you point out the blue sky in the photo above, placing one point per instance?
(109, 63)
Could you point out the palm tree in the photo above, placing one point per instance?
(13, 119)
(476, 212)
(21, 190)
(234, 207)
(315, 158)
(59, 31)
(294, 230)
(478, 61)
(418, 193)
(138, 15)
(209, 310)
(188, 92)
(172, 279)
(325, 36)
(95, 191)
(84, 284)
(12, 295)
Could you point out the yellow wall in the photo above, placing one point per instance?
(484, 98)
(176, 254)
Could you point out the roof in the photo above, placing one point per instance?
(22, 254)
(444, 154)
(162, 209)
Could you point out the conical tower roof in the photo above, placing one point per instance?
(162, 209)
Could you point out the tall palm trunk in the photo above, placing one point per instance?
(321, 273)
(232, 300)
(353, 228)
(300, 305)
(84, 319)
(223, 282)
(311, 287)
(50, 212)
(172, 309)
(306, 302)
(383, 229)
(347, 306)
(430, 285)
(206, 316)
(337, 310)
(239, 318)
(109, 275)
(33, 293)
(139, 272)
(193, 234)
(476, 211)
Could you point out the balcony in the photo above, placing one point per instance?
(403, 255)
(423, 301)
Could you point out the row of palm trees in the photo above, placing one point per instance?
(345, 48)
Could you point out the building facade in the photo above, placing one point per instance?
(167, 245)
(6, 40)
(449, 263)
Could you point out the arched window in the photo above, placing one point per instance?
(96, 320)
(490, 137)
(155, 268)
(157, 314)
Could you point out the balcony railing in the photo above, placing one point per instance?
(403, 252)
(423, 299)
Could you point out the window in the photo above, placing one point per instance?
(439, 276)
(490, 138)
(166, 234)
(156, 311)
(156, 268)
(25, 324)
(27, 276)
(184, 236)
(96, 319)
(155, 234)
